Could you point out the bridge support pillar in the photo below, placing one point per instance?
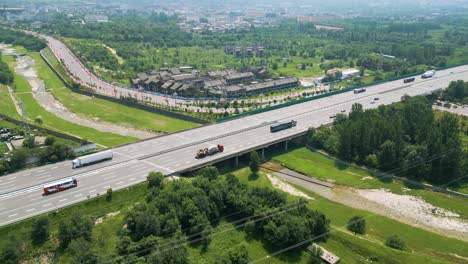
(263, 154)
(237, 161)
(286, 145)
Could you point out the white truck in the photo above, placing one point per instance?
(90, 159)
(428, 74)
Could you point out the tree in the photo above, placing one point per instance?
(28, 142)
(315, 254)
(395, 242)
(81, 251)
(209, 172)
(11, 250)
(18, 159)
(357, 225)
(75, 227)
(155, 180)
(237, 255)
(387, 155)
(40, 230)
(109, 195)
(254, 163)
(38, 120)
(49, 141)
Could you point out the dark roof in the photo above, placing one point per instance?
(233, 88)
(182, 77)
(270, 84)
(239, 75)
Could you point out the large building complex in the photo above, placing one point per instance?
(227, 83)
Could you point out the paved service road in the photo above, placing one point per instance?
(21, 194)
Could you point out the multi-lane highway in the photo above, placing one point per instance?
(21, 194)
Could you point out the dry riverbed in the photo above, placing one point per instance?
(25, 68)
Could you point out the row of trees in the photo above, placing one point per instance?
(457, 91)
(6, 75)
(22, 39)
(404, 138)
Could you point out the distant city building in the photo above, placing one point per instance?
(245, 51)
(96, 19)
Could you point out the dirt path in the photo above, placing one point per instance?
(25, 68)
(403, 208)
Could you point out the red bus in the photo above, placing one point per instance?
(60, 186)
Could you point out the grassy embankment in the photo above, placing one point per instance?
(51, 121)
(100, 109)
(424, 246)
(316, 165)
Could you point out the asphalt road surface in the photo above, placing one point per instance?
(21, 192)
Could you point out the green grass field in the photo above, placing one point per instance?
(7, 106)
(100, 109)
(316, 165)
(51, 121)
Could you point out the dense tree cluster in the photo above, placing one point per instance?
(362, 43)
(402, 138)
(456, 92)
(22, 39)
(180, 211)
(6, 75)
(50, 153)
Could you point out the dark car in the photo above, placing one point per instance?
(408, 80)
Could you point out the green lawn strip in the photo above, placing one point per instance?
(316, 165)
(51, 121)
(56, 64)
(353, 250)
(7, 107)
(100, 109)
(313, 164)
(379, 228)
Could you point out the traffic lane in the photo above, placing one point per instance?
(48, 173)
(33, 203)
(185, 158)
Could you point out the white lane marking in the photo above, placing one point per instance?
(119, 183)
(54, 167)
(32, 209)
(92, 191)
(65, 165)
(106, 187)
(188, 161)
(78, 195)
(12, 215)
(12, 178)
(108, 177)
(35, 199)
(27, 174)
(40, 170)
(5, 183)
(132, 179)
(63, 200)
(45, 205)
(177, 165)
